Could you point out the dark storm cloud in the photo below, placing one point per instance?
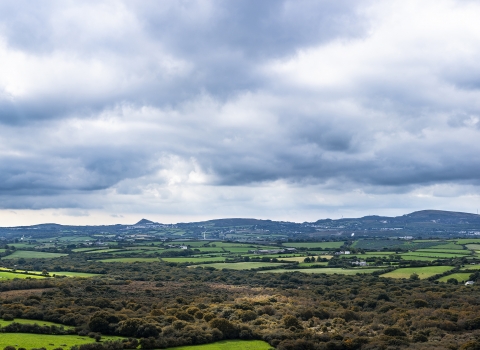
(167, 102)
(222, 43)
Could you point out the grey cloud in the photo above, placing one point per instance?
(186, 103)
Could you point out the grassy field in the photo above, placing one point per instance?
(448, 251)
(218, 249)
(460, 277)
(315, 264)
(11, 275)
(312, 245)
(229, 345)
(278, 256)
(47, 341)
(236, 249)
(74, 238)
(242, 265)
(416, 257)
(74, 274)
(28, 254)
(195, 260)
(107, 250)
(193, 244)
(81, 250)
(468, 240)
(434, 255)
(300, 259)
(23, 245)
(470, 267)
(422, 272)
(40, 323)
(327, 270)
(473, 246)
(449, 245)
(130, 260)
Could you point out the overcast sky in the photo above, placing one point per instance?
(293, 110)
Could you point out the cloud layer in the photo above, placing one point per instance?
(291, 110)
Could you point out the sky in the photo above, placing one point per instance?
(294, 110)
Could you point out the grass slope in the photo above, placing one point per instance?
(422, 272)
(460, 277)
(229, 345)
(11, 275)
(242, 265)
(130, 260)
(40, 323)
(29, 341)
(327, 270)
(28, 254)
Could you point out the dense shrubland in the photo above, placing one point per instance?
(159, 305)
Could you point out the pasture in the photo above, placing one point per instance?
(422, 272)
(229, 345)
(28, 254)
(4, 275)
(102, 251)
(326, 270)
(468, 240)
(300, 259)
(447, 251)
(129, 260)
(431, 254)
(460, 277)
(74, 274)
(47, 341)
(195, 260)
(449, 245)
(313, 245)
(242, 265)
(40, 323)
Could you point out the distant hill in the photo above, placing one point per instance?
(424, 223)
(145, 222)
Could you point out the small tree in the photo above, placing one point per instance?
(414, 277)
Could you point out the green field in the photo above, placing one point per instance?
(29, 341)
(195, 260)
(28, 254)
(448, 251)
(242, 265)
(449, 245)
(471, 267)
(74, 274)
(327, 270)
(468, 240)
(130, 260)
(473, 246)
(418, 258)
(103, 251)
(460, 277)
(236, 249)
(315, 264)
(11, 275)
(432, 254)
(229, 345)
(193, 244)
(300, 259)
(312, 245)
(422, 272)
(81, 250)
(74, 238)
(40, 323)
(23, 245)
